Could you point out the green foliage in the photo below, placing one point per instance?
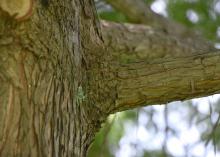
(107, 138)
(149, 2)
(156, 153)
(208, 17)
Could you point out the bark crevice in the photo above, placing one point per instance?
(42, 65)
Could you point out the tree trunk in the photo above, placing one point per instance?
(45, 59)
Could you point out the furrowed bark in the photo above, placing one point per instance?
(47, 107)
(153, 68)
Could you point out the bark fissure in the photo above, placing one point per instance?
(42, 63)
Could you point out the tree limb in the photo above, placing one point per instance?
(153, 68)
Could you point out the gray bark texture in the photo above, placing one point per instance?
(62, 72)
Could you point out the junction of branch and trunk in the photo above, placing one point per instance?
(62, 72)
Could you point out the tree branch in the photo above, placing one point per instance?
(138, 12)
(153, 68)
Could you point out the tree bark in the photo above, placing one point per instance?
(45, 59)
(60, 78)
(152, 67)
